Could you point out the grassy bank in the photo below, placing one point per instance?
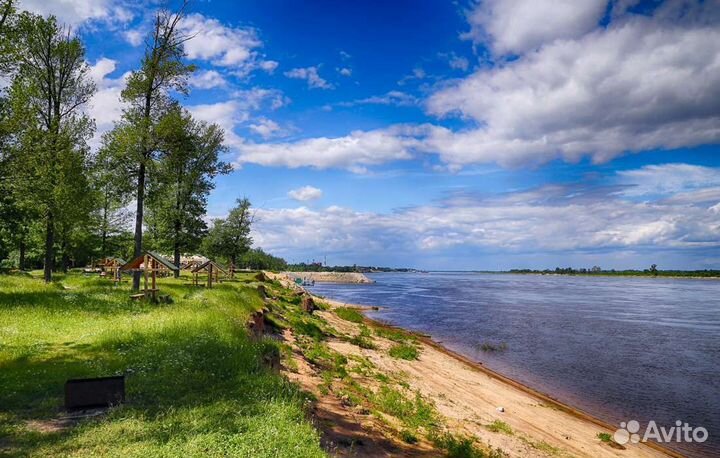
(196, 383)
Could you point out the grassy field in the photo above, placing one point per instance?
(196, 384)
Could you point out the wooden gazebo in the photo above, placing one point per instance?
(150, 263)
(111, 264)
(212, 268)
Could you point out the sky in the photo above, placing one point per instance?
(459, 135)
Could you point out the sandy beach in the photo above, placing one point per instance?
(470, 397)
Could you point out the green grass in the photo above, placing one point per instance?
(350, 314)
(499, 426)
(395, 335)
(414, 412)
(404, 351)
(196, 384)
(605, 437)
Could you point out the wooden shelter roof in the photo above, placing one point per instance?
(137, 262)
(206, 264)
(111, 260)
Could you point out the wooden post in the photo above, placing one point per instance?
(146, 266)
(154, 273)
(210, 274)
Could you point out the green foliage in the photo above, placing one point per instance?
(362, 342)
(499, 426)
(406, 351)
(396, 335)
(350, 314)
(50, 154)
(196, 384)
(408, 436)
(177, 198)
(605, 437)
(257, 259)
(229, 238)
(414, 413)
(464, 447)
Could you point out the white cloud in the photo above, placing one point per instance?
(269, 65)
(551, 219)
(353, 152)
(266, 128)
(231, 114)
(417, 74)
(666, 179)
(255, 98)
(305, 194)
(344, 71)
(226, 114)
(517, 26)
(225, 46)
(311, 75)
(642, 83)
(76, 12)
(458, 63)
(134, 37)
(207, 79)
(105, 107)
(396, 98)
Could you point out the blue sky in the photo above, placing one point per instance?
(438, 135)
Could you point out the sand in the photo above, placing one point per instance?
(330, 277)
(469, 396)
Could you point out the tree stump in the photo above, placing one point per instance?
(308, 304)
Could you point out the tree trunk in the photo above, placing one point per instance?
(176, 259)
(176, 242)
(21, 262)
(138, 222)
(49, 245)
(103, 239)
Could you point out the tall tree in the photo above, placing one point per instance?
(50, 89)
(162, 69)
(189, 163)
(229, 238)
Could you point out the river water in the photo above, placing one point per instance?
(619, 348)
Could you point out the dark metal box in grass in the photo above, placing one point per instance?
(94, 392)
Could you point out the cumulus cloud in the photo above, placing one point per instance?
(76, 12)
(222, 45)
(266, 128)
(226, 114)
(548, 219)
(517, 26)
(105, 107)
(311, 75)
(642, 83)
(305, 194)
(353, 152)
(207, 79)
(344, 71)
